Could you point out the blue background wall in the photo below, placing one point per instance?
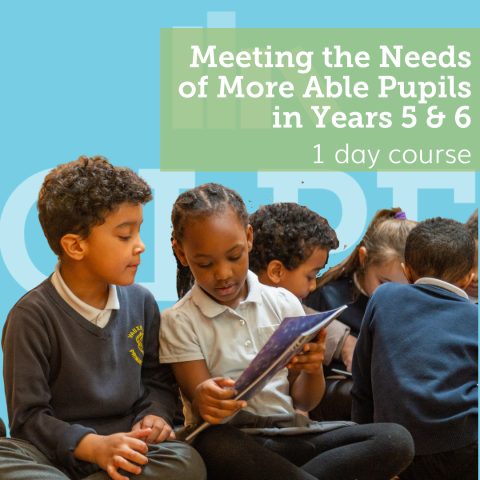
(83, 78)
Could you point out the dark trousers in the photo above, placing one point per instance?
(362, 452)
(336, 403)
(461, 464)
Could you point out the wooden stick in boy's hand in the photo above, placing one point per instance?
(311, 357)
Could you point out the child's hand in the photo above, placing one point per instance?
(214, 402)
(347, 352)
(311, 362)
(115, 451)
(161, 430)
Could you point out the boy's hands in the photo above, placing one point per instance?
(214, 403)
(312, 355)
(160, 429)
(115, 451)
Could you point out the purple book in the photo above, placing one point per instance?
(287, 341)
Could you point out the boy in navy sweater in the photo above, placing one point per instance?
(86, 395)
(472, 227)
(416, 360)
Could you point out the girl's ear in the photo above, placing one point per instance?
(362, 255)
(249, 237)
(179, 253)
(275, 271)
(73, 246)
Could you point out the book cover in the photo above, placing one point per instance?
(286, 342)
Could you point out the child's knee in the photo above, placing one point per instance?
(397, 439)
(182, 461)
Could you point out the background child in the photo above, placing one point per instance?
(375, 260)
(416, 360)
(472, 227)
(84, 389)
(219, 326)
(289, 246)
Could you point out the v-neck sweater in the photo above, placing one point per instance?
(66, 377)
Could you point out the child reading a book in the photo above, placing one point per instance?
(472, 227)
(86, 396)
(213, 333)
(416, 359)
(375, 260)
(288, 251)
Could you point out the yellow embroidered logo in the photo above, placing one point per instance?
(137, 333)
(139, 339)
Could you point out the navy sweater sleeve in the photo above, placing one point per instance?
(361, 392)
(158, 381)
(26, 369)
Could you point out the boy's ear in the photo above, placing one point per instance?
(409, 273)
(362, 255)
(249, 237)
(275, 271)
(179, 253)
(73, 246)
(466, 281)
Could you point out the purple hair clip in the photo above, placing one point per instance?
(400, 216)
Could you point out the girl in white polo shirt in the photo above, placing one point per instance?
(212, 334)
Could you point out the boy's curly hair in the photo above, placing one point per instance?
(287, 232)
(440, 248)
(472, 224)
(77, 196)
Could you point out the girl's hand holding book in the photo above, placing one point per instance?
(214, 401)
(312, 355)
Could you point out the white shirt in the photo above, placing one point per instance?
(198, 328)
(92, 314)
(441, 284)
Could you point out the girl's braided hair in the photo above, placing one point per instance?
(384, 241)
(201, 202)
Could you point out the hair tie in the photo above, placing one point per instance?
(400, 216)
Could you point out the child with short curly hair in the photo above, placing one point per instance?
(85, 393)
(289, 243)
(472, 227)
(416, 359)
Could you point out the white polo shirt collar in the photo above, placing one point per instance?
(210, 308)
(441, 284)
(92, 314)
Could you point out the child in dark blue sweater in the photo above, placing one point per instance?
(416, 360)
(86, 395)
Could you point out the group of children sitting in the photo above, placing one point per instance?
(92, 376)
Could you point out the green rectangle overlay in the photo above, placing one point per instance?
(319, 99)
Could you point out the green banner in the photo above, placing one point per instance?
(319, 99)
